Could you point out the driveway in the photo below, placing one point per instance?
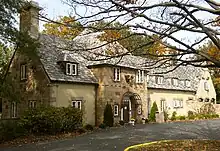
(119, 138)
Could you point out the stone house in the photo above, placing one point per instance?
(71, 74)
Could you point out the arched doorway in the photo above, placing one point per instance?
(130, 106)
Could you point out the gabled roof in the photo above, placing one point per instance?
(50, 52)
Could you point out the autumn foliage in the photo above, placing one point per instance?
(65, 27)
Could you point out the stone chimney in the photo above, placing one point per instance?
(29, 18)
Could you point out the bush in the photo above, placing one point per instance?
(10, 130)
(89, 127)
(81, 130)
(200, 116)
(108, 116)
(153, 111)
(191, 117)
(121, 122)
(165, 116)
(102, 126)
(182, 117)
(173, 117)
(51, 119)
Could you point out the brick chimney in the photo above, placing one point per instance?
(29, 18)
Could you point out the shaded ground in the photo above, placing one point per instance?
(180, 145)
(120, 138)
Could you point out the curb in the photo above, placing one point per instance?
(146, 144)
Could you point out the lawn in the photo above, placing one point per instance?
(178, 145)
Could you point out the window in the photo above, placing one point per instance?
(213, 100)
(175, 82)
(71, 69)
(140, 76)
(200, 99)
(13, 109)
(32, 104)
(148, 78)
(0, 106)
(206, 86)
(159, 80)
(116, 110)
(23, 72)
(187, 83)
(77, 104)
(117, 74)
(162, 105)
(178, 103)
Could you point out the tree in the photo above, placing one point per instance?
(168, 19)
(108, 116)
(153, 111)
(65, 27)
(133, 42)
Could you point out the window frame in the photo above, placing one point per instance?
(32, 104)
(76, 104)
(140, 76)
(117, 74)
(162, 105)
(173, 82)
(159, 79)
(23, 71)
(177, 103)
(187, 83)
(206, 86)
(14, 110)
(116, 110)
(70, 67)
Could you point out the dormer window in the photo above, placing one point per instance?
(175, 81)
(159, 80)
(187, 83)
(140, 76)
(71, 69)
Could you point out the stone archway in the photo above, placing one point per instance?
(129, 106)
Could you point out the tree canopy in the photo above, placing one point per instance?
(180, 25)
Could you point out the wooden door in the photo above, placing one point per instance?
(126, 113)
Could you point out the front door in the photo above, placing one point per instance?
(126, 113)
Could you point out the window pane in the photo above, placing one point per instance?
(68, 68)
(79, 104)
(73, 69)
(74, 104)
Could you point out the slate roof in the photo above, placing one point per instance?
(50, 53)
(182, 73)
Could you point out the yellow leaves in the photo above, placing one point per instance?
(66, 27)
(110, 35)
(214, 52)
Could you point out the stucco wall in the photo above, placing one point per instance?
(63, 94)
(210, 92)
(112, 91)
(169, 95)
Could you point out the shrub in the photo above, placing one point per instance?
(200, 116)
(81, 130)
(121, 122)
(182, 117)
(153, 111)
(166, 115)
(51, 119)
(108, 116)
(10, 130)
(102, 126)
(192, 117)
(89, 127)
(173, 117)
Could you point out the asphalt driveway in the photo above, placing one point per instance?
(120, 138)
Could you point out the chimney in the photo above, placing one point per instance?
(29, 18)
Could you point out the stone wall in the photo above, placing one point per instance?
(110, 91)
(35, 87)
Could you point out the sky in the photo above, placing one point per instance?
(53, 9)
